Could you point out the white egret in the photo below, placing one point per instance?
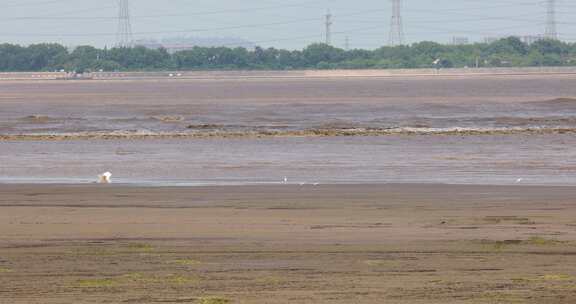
(105, 178)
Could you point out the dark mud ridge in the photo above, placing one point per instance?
(288, 133)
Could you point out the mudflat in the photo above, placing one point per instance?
(128, 109)
(352, 238)
(489, 129)
(388, 243)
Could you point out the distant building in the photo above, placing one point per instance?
(460, 40)
(489, 40)
(529, 39)
(173, 45)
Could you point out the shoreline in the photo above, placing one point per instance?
(160, 184)
(288, 74)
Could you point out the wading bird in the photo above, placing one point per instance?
(105, 178)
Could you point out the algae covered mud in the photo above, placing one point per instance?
(450, 129)
(337, 244)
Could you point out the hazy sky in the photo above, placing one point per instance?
(279, 23)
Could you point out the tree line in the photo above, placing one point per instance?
(506, 52)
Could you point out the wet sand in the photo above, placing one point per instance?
(406, 243)
(499, 160)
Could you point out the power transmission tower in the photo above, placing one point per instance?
(328, 23)
(396, 25)
(124, 35)
(551, 32)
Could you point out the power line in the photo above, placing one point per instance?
(155, 16)
(20, 4)
(124, 36)
(396, 25)
(553, 9)
(551, 32)
(328, 24)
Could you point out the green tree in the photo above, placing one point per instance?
(507, 52)
(46, 56)
(318, 53)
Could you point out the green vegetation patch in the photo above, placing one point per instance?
(97, 283)
(136, 279)
(540, 241)
(170, 279)
(377, 263)
(186, 262)
(500, 245)
(92, 252)
(270, 280)
(546, 278)
(501, 297)
(213, 300)
(557, 277)
(177, 279)
(140, 247)
(5, 270)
